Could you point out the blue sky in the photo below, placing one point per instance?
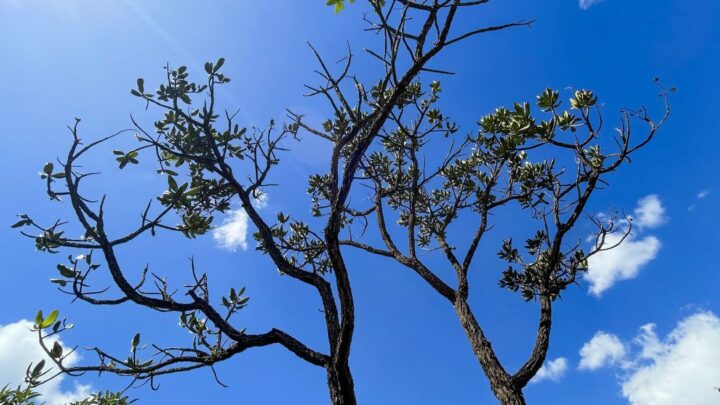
(79, 58)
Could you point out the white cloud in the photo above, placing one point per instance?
(552, 370)
(18, 348)
(625, 261)
(232, 234)
(680, 369)
(602, 350)
(586, 4)
(620, 263)
(261, 200)
(648, 341)
(650, 212)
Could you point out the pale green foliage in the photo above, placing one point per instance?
(27, 396)
(339, 5)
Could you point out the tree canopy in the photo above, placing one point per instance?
(544, 158)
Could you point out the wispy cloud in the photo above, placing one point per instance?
(700, 196)
(586, 4)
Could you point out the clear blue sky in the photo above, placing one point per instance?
(78, 58)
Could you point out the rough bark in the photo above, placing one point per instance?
(501, 382)
(341, 385)
(542, 342)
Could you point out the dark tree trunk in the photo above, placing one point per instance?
(510, 396)
(501, 382)
(340, 383)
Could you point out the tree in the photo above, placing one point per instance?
(486, 171)
(199, 152)
(482, 173)
(377, 130)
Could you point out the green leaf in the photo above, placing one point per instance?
(141, 85)
(50, 319)
(48, 168)
(194, 190)
(135, 341)
(38, 368)
(340, 4)
(56, 351)
(22, 222)
(219, 64)
(172, 183)
(168, 172)
(66, 271)
(39, 318)
(59, 281)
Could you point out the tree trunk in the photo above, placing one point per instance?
(340, 382)
(501, 382)
(511, 396)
